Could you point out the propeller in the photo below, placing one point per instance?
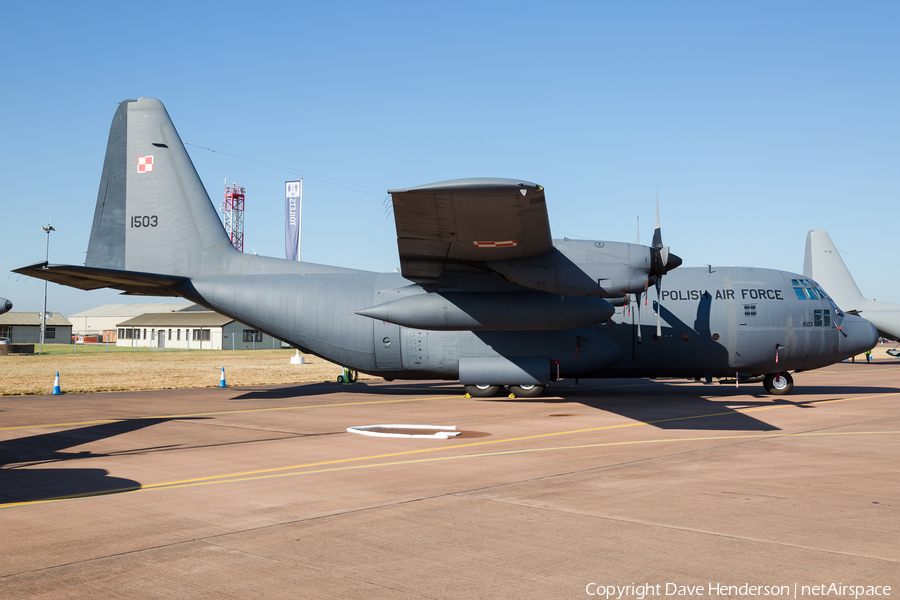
(661, 262)
(639, 297)
(638, 302)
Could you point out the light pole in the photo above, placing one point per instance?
(48, 229)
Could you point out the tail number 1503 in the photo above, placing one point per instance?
(144, 221)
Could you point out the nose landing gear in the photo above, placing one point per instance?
(778, 383)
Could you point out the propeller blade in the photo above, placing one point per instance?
(638, 318)
(657, 231)
(661, 259)
(658, 307)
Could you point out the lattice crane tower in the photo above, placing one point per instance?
(233, 209)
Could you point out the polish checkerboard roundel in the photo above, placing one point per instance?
(145, 164)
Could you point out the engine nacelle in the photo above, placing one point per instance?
(585, 268)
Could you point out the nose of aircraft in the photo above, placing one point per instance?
(859, 336)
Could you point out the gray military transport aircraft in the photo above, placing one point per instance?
(823, 262)
(484, 296)
(5, 305)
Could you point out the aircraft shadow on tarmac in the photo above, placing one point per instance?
(688, 407)
(664, 404)
(26, 485)
(380, 387)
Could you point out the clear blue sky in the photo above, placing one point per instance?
(757, 121)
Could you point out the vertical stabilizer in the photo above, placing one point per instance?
(153, 214)
(824, 264)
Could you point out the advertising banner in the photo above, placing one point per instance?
(293, 200)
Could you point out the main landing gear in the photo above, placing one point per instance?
(778, 383)
(519, 391)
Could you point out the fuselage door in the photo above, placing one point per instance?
(387, 345)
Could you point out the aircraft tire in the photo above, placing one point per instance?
(778, 383)
(482, 391)
(526, 391)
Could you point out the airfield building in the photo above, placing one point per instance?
(25, 328)
(191, 330)
(100, 323)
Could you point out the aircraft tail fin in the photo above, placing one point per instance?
(153, 214)
(824, 264)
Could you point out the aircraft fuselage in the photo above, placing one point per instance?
(714, 322)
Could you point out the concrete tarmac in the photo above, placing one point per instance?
(261, 492)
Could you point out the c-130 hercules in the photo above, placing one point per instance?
(484, 295)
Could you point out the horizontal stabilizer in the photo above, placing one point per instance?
(92, 278)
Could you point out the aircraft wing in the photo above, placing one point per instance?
(91, 278)
(450, 225)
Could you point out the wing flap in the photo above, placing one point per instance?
(451, 224)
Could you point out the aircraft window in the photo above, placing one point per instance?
(827, 318)
(800, 293)
(837, 311)
(817, 318)
(821, 291)
(795, 283)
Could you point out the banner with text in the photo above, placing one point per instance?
(293, 200)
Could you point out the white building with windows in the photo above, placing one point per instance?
(100, 322)
(191, 330)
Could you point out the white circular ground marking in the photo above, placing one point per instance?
(443, 432)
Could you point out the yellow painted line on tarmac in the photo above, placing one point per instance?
(227, 412)
(257, 475)
(516, 439)
(277, 471)
(500, 441)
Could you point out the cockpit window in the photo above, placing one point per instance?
(808, 290)
(821, 318)
(837, 311)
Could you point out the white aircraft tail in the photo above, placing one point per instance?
(824, 264)
(152, 214)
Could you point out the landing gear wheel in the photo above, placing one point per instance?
(482, 391)
(526, 391)
(778, 383)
